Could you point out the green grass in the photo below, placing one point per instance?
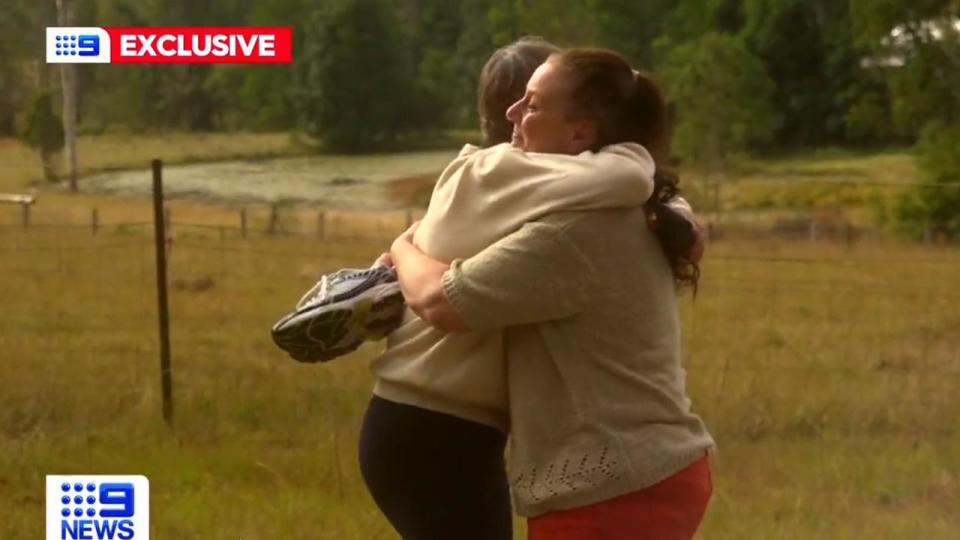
(828, 376)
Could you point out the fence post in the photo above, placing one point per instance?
(243, 222)
(409, 217)
(321, 224)
(274, 217)
(25, 215)
(160, 220)
(94, 221)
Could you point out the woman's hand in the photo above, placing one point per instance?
(702, 233)
(406, 237)
(421, 280)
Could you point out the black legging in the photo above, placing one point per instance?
(435, 476)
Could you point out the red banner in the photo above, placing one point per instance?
(201, 45)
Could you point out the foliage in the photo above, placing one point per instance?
(43, 129)
(808, 51)
(920, 41)
(721, 95)
(826, 60)
(935, 206)
(355, 88)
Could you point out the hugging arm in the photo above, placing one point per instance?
(700, 232)
(530, 184)
(535, 274)
(420, 279)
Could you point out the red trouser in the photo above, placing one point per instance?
(669, 510)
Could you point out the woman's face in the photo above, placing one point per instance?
(540, 119)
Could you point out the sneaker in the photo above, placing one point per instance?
(340, 312)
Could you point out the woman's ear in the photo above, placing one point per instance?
(583, 135)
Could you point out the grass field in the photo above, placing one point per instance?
(828, 374)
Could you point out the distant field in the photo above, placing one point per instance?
(849, 186)
(20, 166)
(829, 377)
(835, 188)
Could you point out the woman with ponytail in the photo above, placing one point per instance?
(604, 444)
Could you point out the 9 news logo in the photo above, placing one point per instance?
(84, 45)
(97, 507)
(170, 45)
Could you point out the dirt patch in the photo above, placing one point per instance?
(412, 191)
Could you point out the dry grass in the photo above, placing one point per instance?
(828, 377)
(827, 373)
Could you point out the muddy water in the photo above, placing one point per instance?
(346, 182)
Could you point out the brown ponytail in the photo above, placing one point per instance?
(628, 106)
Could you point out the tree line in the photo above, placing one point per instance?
(742, 76)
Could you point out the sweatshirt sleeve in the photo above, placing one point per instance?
(618, 176)
(535, 274)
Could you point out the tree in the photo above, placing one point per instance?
(474, 46)
(431, 29)
(918, 42)
(808, 48)
(811, 53)
(934, 206)
(631, 27)
(721, 97)
(23, 64)
(356, 88)
(43, 130)
(171, 95)
(68, 79)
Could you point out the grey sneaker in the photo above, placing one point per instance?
(340, 312)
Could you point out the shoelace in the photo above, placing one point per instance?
(320, 291)
(315, 294)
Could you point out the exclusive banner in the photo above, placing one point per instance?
(170, 45)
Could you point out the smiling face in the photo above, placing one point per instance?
(541, 120)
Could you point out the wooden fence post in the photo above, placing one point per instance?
(160, 219)
(25, 215)
(243, 222)
(274, 218)
(94, 221)
(321, 224)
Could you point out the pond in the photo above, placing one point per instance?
(334, 181)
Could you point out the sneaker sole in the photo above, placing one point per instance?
(333, 330)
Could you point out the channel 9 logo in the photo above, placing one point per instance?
(98, 507)
(170, 45)
(83, 45)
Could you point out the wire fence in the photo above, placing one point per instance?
(862, 338)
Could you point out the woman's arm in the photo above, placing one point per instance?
(619, 175)
(682, 207)
(421, 278)
(535, 274)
